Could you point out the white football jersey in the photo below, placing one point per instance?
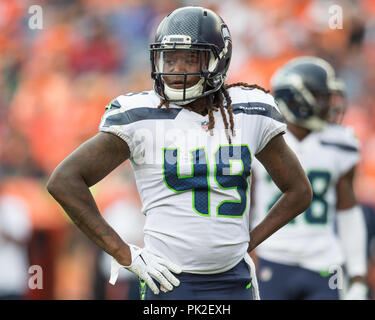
(194, 186)
(310, 240)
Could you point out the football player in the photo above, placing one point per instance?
(304, 259)
(191, 142)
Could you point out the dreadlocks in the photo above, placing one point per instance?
(215, 102)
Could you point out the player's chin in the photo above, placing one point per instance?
(176, 85)
(179, 83)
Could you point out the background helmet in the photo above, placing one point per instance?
(192, 28)
(308, 92)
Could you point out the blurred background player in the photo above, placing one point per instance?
(15, 232)
(298, 260)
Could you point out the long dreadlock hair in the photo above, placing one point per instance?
(215, 102)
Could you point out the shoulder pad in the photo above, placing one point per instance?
(138, 100)
(340, 137)
(254, 101)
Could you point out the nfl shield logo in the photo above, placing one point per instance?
(204, 125)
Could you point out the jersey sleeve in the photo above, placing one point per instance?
(347, 147)
(270, 123)
(117, 120)
(352, 152)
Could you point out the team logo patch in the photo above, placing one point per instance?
(204, 125)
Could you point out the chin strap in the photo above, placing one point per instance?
(178, 94)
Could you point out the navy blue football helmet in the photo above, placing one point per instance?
(196, 29)
(308, 92)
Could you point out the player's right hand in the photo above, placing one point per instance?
(148, 267)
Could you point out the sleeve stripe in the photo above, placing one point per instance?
(114, 104)
(138, 114)
(258, 108)
(343, 147)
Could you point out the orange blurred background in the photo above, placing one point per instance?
(56, 81)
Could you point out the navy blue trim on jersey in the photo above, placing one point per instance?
(258, 108)
(343, 147)
(138, 114)
(115, 104)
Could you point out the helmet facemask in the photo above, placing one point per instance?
(309, 93)
(201, 64)
(312, 111)
(337, 108)
(307, 108)
(298, 104)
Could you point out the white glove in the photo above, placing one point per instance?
(357, 291)
(145, 265)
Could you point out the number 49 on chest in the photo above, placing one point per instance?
(198, 181)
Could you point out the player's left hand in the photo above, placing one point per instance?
(356, 291)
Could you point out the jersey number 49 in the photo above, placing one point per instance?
(198, 181)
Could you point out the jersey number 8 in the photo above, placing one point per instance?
(317, 213)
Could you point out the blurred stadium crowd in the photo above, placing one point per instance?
(55, 83)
